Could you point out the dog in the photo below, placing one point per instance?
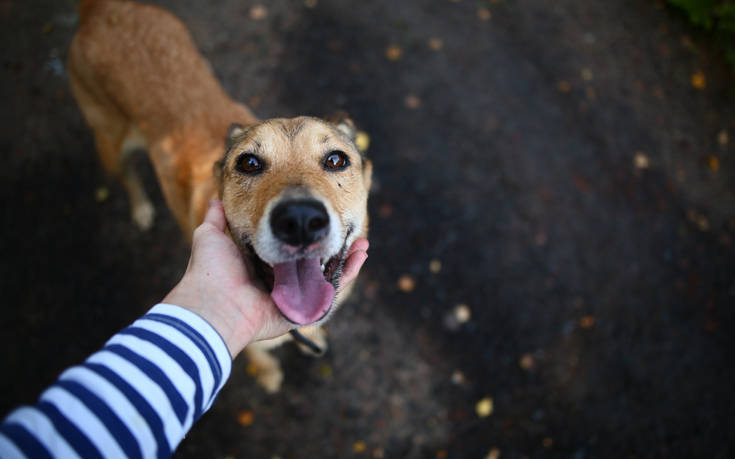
(294, 190)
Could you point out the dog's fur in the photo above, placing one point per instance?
(141, 83)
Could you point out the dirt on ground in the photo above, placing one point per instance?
(551, 270)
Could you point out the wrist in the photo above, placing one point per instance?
(222, 315)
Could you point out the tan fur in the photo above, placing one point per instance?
(140, 82)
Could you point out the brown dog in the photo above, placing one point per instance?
(294, 190)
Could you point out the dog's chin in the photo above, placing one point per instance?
(303, 287)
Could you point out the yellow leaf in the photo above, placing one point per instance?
(406, 283)
(723, 138)
(640, 160)
(462, 313)
(393, 52)
(101, 194)
(484, 407)
(435, 266)
(587, 322)
(245, 418)
(362, 141)
(435, 44)
(699, 81)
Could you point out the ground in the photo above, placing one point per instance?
(552, 232)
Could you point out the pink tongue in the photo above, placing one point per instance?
(300, 291)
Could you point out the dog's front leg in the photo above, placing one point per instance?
(266, 368)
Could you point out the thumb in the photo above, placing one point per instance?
(216, 214)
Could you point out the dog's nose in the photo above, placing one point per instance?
(300, 222)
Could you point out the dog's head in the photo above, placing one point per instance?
(295, 195)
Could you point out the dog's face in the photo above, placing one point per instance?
(295, 195)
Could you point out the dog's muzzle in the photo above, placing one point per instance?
(300, 222)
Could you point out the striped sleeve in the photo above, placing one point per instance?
(136, 397)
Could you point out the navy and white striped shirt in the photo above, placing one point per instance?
(136, 397)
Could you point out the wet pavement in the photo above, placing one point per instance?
(551, 269)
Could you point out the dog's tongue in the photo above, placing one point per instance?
(300, 291)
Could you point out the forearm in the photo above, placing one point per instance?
(136, 397)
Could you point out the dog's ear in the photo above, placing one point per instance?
(343, 123)
(233, 134)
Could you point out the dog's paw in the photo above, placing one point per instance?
(143, 214)
(316, 335)
(270, 379)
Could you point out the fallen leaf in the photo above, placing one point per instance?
(591, 94)
(484, 14)
(587, 322)
(101, 194)
(385, 210)
(441, 454)
(699, 81)
(245, 418)
(714, 163)
(325, 371)
(640, 160)
(258, 12)
(581, 183)
(484, 407)
(435, 44)
(406, 283)
(564, 86)
(462, 313)
(457, 378)
(412, 102)
(723, 138)
(362, 141)
(687, 42)
(254, 101)
(527, 361)
(435, 266)
(548, 442)
(359, 447)
(393, 52)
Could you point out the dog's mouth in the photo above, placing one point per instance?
(303, 289)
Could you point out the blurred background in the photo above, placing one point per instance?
(551, 268)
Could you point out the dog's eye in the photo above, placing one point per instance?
(336, 160)
(248, 163)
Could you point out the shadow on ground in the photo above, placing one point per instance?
(509, 178)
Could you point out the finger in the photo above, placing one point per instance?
(352, 267)
(216, 214)
(360, 244)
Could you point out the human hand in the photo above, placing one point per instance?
(220, 285)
